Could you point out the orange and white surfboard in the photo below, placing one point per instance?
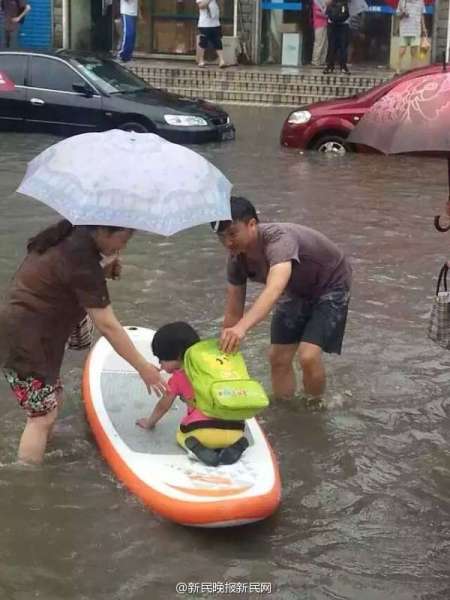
(154, 467)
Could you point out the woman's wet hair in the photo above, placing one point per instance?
(53, 235)
(171, 341)
(241, 210)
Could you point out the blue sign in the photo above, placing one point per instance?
(373, 8)
(281, 5)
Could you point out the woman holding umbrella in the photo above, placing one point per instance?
(59, 282)
(106, 185)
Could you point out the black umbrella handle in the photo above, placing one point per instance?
(437, 217)
(438, 225)
(448, 168)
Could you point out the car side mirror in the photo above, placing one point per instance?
(82, 88)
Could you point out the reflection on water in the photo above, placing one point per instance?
(365, 510)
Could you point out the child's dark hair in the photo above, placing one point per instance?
(171, 341)
(241, 210)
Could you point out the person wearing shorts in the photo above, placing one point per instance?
(411, 28)
(210, 31)
(61, 279)
(307, 281)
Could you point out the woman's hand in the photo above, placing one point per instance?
(152, 379)
(113, 269)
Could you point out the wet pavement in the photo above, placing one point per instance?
(365, 513)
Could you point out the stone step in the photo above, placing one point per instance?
(253, 98)
(245, 86)
(249, 86)
(229, 75)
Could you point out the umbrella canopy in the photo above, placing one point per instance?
(6, 85)
(125, 179)
(413, 117)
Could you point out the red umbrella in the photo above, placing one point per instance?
(6, 85)
(413, 117)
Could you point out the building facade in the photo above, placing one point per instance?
(166, 28)
(287, 34)
(274, 31)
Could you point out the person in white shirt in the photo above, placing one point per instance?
(129, 15)
(412, 27)
(210, 31)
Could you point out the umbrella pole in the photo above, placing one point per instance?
(448, 166)
(444, 63)
(446, 215)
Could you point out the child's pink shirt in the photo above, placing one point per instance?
(179, 385)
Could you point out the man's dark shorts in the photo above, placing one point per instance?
(320, 322)
(210, 37)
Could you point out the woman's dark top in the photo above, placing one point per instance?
(48, 297)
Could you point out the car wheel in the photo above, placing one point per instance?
(332, 144)
(134, 126)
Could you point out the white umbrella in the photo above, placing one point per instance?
(127, 179)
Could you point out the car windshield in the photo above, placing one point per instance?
(108, 76)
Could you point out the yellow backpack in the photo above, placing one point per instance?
(223, 388)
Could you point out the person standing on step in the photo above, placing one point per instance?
(129, 15)
(338, 35)
(2, 26)
(320, 22)
(412, 27)
(356, 23)
(210, 31)
(14, 13)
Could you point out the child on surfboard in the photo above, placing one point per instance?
(213, 433)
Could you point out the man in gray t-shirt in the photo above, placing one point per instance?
(307, 281)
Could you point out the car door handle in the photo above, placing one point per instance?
(37, 101)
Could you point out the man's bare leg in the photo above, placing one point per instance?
(201, 57)
(281, 358)
(314, 378)
(401, 54)
(414, 56)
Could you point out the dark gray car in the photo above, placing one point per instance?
(67, 93)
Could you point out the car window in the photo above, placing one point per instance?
(109, 76)
(14, 66)
(52, 74)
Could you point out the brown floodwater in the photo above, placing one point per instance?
(365, 513)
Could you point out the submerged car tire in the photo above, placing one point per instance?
(135, 126)
(332, 144)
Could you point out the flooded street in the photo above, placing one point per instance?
(365, 513)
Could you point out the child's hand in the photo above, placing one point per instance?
(145, 423)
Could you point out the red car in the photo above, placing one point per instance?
(324, 126)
